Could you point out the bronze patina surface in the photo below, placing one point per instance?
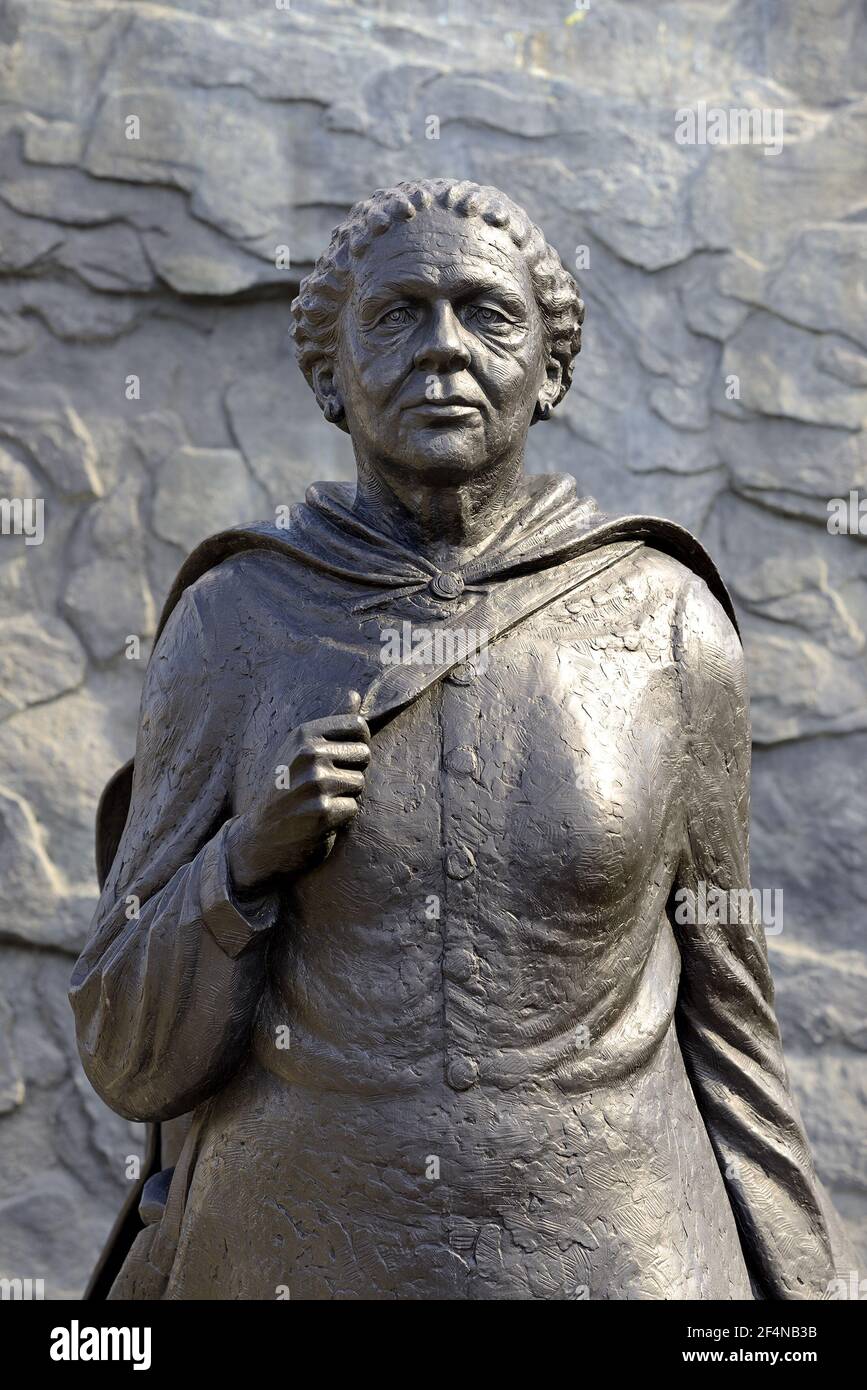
(419, 783)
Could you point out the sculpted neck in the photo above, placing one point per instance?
(449, 523)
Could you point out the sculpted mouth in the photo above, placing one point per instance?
(452, 403)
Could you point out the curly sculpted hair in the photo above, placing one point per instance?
(323, 293)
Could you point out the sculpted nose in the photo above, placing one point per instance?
(443, 349)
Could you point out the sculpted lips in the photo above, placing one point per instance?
(444, 408)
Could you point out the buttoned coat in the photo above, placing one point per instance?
(472, 1053)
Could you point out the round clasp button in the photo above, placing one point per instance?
(448, 584)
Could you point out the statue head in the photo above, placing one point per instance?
(437, 327)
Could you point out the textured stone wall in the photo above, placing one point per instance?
(723, 383)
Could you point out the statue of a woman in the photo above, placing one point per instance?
(420, 780)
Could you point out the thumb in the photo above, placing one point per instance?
(351, 704)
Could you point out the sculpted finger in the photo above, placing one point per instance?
(346, 782)
(314, 748)
(353, 754)
(330, 781)
(348, 721)
(342, 726)
(338, 810)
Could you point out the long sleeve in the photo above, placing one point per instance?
(725, 1015)
(165, 993)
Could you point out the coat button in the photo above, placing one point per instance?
(448, 584)
(460, 862)
(462, 1073)
(459, 964)
(463, 674)
(462, 759)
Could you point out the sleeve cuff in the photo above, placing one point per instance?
(232, 925)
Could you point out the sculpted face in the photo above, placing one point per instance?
(443, 353)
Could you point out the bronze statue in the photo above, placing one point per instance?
(388, 949)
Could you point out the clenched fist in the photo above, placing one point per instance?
(295, 823)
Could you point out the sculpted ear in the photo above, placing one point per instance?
(327, 393)
(549, 391)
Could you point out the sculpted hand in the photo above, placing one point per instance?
(318, 777)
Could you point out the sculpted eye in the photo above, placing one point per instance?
(485, 315)
(394, 318)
